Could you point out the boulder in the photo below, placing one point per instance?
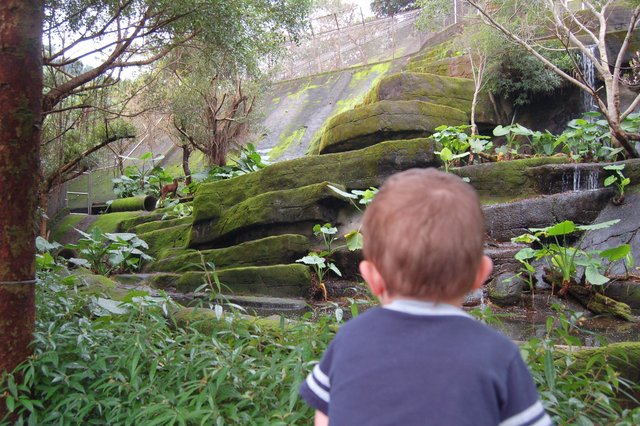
(162, 239)
(450, 91)
(506, 289)
(266, 251)
(505, 179)
(290, 211)
(626, 291)
(292, 280)
(386, 120)
(355, 170)
(627, 231)
(507, 220)
(457, 66)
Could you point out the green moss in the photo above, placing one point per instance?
(160, 224)
(266, 251)
(624, 357)
(355, 170)
(286, 141)
(386, 120)
(287, 211)
(98, 285)
(65, 226)
(291, 280)
(110, 222)
(144, 202)
(358, 78)
(505, 178)
(160, 239)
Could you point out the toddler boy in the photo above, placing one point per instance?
(419, 359)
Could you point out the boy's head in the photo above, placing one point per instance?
(424, 233)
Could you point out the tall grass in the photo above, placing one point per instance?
(142, 367)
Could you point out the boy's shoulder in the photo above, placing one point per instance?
(420, 321)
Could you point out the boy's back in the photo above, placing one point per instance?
(420, 360)
(416, 363)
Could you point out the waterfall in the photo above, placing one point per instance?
(580, 180)
(589, 73)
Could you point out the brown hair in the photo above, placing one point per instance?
(424, 232)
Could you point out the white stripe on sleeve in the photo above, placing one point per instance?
(320, 377)
(317, 389)
(524, 416)
(545, 421)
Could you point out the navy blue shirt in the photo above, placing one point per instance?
(420, 363)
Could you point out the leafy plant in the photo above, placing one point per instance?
(250, 160)
(354, 238)
(178, 211)
(512, 134)
(455, 138)
(107, 253)
(449, 158)
(141, 179)
(322, 262)
(561, 259)
(618, 179)
(588, 139)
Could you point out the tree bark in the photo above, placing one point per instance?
(20, 119)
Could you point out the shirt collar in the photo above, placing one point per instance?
(425, 308)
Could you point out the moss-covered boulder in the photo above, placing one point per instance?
(505, 179)
(272, 250)
(161, 239)
(355, 170)
(450, 91)
(290, 211)
(160, 224)
(292, 280)
(457, 66)
(386, 120)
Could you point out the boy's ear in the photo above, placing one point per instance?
(484, 270)
(373, 278)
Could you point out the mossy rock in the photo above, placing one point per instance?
(112, 222)
(266, 251)
(160, 239)
(458, 66)
(98, 285)
(206, 321)
(505, 178)
(160, 224)
(624, 357)
(450, 91)
(272, 213)
(292, 280)
(355, 170)
(386, 120)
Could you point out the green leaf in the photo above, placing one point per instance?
(335, 269)
(610, 180)
(614, 167)
(594, 277)
(312, 260)
(562, 228)
(501, 130)
(596, 226)
(355, 241)
(616, 253)
(526, 253)
(549, 369)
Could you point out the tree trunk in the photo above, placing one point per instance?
(186, 154)
(20, 120)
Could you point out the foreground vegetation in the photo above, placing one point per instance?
(138, 363)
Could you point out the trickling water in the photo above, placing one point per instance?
(589, 73)
(579, 180)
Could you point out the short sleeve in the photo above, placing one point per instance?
(522, 406)
(316, 388)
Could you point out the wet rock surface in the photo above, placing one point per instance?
(506, 289)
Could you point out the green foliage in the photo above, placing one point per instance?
(354, 238)
(457, 144)
(178, 211)
(140, 367)
(588, 392)
(384, 8)
(618, 179)
(560, 258)
(589, 138)
(519, 76)
(107, 253)
(143, 179)
(449, 158)
(248, 161)
(322, 262)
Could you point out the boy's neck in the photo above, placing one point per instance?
(386, 299)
